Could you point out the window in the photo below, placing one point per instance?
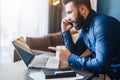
(21, 18)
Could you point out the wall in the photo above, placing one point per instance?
(110, 7)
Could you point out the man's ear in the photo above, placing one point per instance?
(82, 9)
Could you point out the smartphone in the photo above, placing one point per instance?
(71, 24)
(76, 27)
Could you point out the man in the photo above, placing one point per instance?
(97, 32)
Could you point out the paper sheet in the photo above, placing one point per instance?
(38, 76)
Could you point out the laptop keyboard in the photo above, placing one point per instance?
(40, 61)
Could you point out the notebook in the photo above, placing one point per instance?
(58, 73)
(31, 60)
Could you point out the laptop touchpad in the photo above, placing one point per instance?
(53, 62)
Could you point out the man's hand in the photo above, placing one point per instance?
(65, 25)
(63, 52)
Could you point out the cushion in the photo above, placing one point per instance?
(56, 39)
(40, 43)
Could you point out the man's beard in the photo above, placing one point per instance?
(79, 21)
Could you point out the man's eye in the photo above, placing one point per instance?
(69, 12)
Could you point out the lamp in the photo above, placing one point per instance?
(55, 2)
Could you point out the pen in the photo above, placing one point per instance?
(60, 72)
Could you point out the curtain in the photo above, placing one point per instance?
(21, 18)
(54, 17)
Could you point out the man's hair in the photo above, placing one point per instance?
(78, 2)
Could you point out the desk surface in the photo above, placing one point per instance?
(19, 71)
(15, 71)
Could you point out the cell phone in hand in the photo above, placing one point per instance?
(71, 24)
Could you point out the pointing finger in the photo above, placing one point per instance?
(52, 48)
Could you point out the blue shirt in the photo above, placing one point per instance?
(101, 35)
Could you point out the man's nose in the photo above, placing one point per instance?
(68, 19)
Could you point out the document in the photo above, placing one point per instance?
(38, 76)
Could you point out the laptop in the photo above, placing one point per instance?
(31, 60)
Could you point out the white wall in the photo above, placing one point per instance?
(94, 4)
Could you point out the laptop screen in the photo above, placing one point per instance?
(23, 50)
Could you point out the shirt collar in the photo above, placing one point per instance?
(89, 19)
